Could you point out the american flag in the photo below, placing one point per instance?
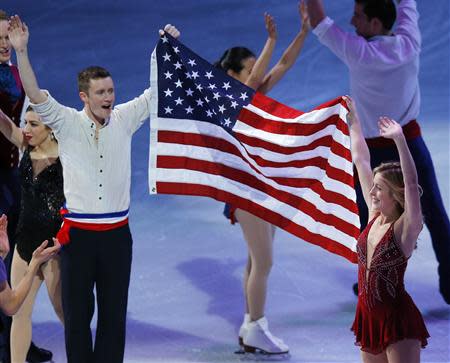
(212, 136)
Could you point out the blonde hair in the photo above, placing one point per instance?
(392, 175)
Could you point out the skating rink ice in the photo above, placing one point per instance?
(186, 300)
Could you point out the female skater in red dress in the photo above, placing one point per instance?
(388, 326)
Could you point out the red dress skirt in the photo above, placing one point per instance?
(385, 313)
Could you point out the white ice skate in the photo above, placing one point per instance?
(259, 339)
(243, 329)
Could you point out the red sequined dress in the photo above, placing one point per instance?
(385, 313)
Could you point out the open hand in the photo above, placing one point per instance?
(4, 241)
(271, 26)
(43, 253)
(389, 128)
(303, 11)
(18, 33)
(170, 29)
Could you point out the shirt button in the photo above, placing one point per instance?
(100, 198)
(101, 171)
(100, 185)
(12, 164)
(101, 156)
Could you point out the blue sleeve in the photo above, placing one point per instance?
(3, 276)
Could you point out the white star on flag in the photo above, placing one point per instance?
(244, 96)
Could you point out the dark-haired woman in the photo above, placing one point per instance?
(39, 220)
(241, 64)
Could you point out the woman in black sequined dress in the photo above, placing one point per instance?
(39, 220)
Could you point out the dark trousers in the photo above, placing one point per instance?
(433, 209)
(100, 259)
(9, 205)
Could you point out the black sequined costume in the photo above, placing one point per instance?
(42, 198)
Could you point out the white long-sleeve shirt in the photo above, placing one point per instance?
(383, 70)
(96, 172)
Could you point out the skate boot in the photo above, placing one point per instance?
(260, 340)
(243, 329)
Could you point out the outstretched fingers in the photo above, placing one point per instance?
(271, 26)
(17, 33)
(15, 23)
(389, 128)
(303, 11)
(38, 251)
(43, 253)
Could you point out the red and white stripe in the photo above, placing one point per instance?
(290, 168)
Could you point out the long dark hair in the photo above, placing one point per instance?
(233, 58)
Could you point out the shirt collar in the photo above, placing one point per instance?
(90, 121)
(379, 37)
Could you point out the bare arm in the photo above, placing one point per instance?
(290, 54)
(412, 215)
(259, 69)
(360, 152)
(316, 12)
(11, 300)
(11, 131)
(18, 35)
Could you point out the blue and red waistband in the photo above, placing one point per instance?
(63, 235)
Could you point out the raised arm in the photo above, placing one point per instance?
(316, 12)
(290, 54)
(18, 36)
(11, 131)
(408, 23)
(11, 300)
(259, 69)
(412, 218)
(360, 152)
(134, 112)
